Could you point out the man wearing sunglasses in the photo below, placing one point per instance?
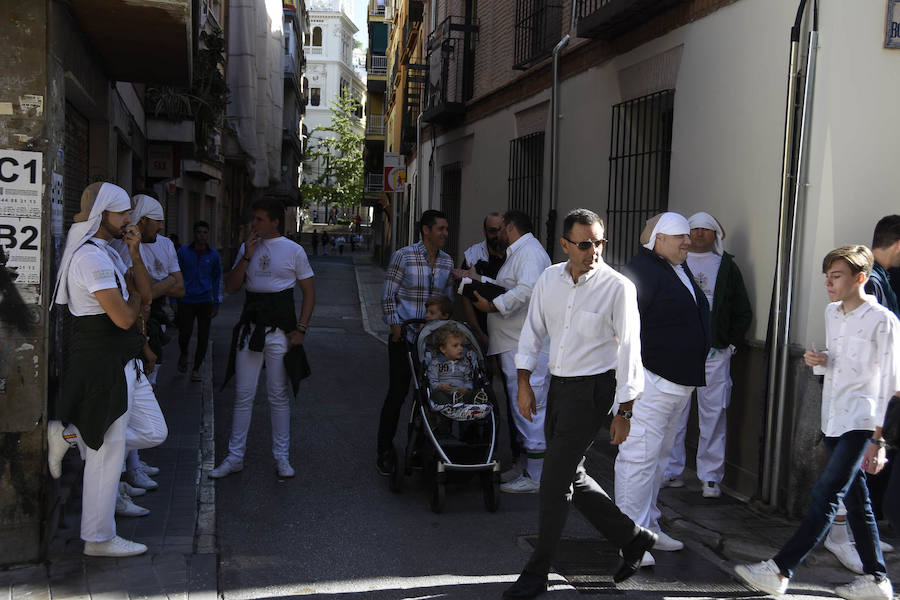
(588, 312)
(675, 339)
(526, 259)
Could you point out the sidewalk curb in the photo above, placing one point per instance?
(205, 536)
(363, 309)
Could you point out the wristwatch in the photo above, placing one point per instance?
(624, 413)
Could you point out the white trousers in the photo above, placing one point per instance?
(278, 390)
(142, 426)
(639, 468)
(531, 433)
(712, 402)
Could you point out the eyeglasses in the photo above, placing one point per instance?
(586, 244)
(493, 229)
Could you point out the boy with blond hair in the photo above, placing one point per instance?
(861, 365)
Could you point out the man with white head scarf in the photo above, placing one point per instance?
(674, 343)
(159, 257)
(730, 315)
(106, 401)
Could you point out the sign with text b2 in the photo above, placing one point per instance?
(892, 25)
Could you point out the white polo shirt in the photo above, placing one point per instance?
(93, 268)
(277, 264)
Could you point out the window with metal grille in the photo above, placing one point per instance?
(526, 176)
(538, 29)
(640, 150)
(451, 186)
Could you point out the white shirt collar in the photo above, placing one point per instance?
(512, 248)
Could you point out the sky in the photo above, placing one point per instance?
(360, 12)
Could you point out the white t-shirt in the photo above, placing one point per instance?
(159, 257)
(705, 267)
(94, 268)
(277, 264)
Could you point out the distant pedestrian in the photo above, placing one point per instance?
(730, 315)
(269, 266)
(855, 395)
(326, 241)
(587, 313)
(107, 405)
(201, 267)
(674, 344)
(416, 273)
(315, 242)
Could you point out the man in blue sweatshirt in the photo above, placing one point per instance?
(675, 339)
(201, 268)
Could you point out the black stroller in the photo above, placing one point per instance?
(444, 438)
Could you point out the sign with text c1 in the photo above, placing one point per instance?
(892, 25)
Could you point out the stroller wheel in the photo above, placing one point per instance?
(438, 497)
(490, 489)
(395, 481)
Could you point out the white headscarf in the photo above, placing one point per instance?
(707, 221)
(146, 206)
(669, 223)
(110, 197)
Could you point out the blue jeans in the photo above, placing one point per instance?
(842, 478)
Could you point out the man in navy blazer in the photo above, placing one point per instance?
(675, 339)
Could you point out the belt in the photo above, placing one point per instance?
(610, 373)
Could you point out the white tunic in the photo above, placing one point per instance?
(93, 268)
(159, 257)
(277, 264)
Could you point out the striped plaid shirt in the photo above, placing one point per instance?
(410, 281)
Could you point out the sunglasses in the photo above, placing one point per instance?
(586, 244)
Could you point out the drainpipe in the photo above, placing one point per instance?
(794, 171)
(554, 134)
(419, 156)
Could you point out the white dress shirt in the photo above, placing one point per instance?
(526, 259)
(593, 326)
(863, 369)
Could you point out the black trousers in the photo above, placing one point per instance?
(576, 409)
(187, 312)
(399, 377)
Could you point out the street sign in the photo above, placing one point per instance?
(394, 178)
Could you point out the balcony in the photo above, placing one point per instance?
(313, 50)
(378, 11)
(609, 19)
(148, 41)
(374, 183)
(377, 65)
(413, 88)
(291, 70)
(450, 70)
(538, 28)
(411, 30)
(374, 125)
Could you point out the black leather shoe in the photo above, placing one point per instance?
(527, 586)
(385, 463)
(632, 554)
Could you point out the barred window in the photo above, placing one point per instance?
(526, 176)
(640, 153)
(451, 186)
(538, 30)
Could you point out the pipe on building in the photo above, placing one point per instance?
(794, 169)
(554, 134)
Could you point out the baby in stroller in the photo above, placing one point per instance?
(451, 373)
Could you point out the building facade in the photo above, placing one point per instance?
(677, 105)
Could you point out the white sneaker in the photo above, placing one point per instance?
(673, 482)
(512, 473)
(151, 471)
(57, 446)
(763, 576)
(130, 490)
(116, 547)
(838, 543)
(667, 543)
(229, 465)
(522, 485)
(885, 547)
(711, 489)
(138, 478)
(126, 508)
(865, 587)
(284, 468)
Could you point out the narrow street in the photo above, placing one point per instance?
(336, 531)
